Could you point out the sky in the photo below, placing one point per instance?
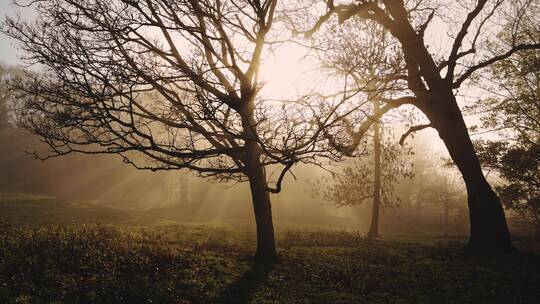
(287, 57)
(8, 52)
(285, 71)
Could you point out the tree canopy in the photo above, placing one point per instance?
(513, 114)
(429, 77)
(173, 81)
(166, 85)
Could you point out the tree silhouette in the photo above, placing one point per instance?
(166, 85)
(7, 74)
(445, 194)
(431, 75)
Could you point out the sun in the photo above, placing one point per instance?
(286, 70)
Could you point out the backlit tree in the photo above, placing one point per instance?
(165, 84)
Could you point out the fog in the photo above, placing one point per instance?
(432, 202)
(106, 182)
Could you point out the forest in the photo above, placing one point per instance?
(270, 151)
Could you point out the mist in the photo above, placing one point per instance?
(269, 151)
(106, 182)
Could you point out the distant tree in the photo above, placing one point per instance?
(424, 167)
(178, 190)
(434, 191)
(377, 174)
(7, 73)
(166, 85)
(370, 177)
(432, 73)
(358, 52)
(445, 194)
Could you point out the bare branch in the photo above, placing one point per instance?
(284, 171)
(474, 68)
(412, 130)
(452, 59)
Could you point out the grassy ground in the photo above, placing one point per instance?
(190, 263)
(205, 264)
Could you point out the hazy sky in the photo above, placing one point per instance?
(285, 71)
(7, 51)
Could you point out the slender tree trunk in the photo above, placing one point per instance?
(446, 218)
(374, 229)
(418, 203)
(266, 246)
(489, 231)
(446, 207)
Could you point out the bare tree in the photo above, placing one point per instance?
(433, 73)
(167, 85)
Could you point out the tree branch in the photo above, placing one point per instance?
(364, 127)
(474, 68)
(452, 59)
(277, 189)
(412, 130)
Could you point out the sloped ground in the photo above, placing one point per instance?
(210, 264)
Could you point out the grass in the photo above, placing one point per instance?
(52, 252)
(206, 264)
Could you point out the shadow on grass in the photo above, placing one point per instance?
(243, 289)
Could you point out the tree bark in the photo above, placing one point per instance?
(374, 229)
(266, 246)
(489, 232)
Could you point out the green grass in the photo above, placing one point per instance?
(208, 264)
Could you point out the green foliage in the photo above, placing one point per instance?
(201, 264)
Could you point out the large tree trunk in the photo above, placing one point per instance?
(266, 245)
(374, 229)
(489, 231)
